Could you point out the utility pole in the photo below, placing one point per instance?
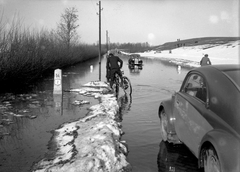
(107, 40)
(99, 42)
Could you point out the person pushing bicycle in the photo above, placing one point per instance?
(114, 65)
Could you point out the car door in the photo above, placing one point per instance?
(190, 108)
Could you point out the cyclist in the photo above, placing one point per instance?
(114, 65)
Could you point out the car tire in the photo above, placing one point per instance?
(211, 161)
(163, 125)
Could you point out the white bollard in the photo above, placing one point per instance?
(57, 89)
(179, 69)
(91, 68)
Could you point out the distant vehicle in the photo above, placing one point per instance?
(135, 60)
(205, 116)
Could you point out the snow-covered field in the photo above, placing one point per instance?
(190, 56)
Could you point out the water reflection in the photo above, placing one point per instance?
(135, 70)
(124, 102)
(91, 68)
(26, 122)
(176, 158)
(179, 69)
(28, 117)
(58, 104)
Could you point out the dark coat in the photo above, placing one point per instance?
(114, 62)
(205, 61)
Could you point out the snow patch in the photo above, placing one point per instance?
(92, 143)
(191, 56)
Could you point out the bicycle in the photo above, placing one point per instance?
(126, 85)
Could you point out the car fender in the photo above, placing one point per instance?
(227, 147)
(167, 105)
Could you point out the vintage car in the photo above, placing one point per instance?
(205, 115)
(135, 60)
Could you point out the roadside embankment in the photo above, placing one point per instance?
(91, 144)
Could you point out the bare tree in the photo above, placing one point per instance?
(67, 27)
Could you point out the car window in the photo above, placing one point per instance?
(195, 86)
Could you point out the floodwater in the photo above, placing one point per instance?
(27, 119)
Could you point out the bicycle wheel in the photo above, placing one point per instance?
(127, 86)
(116, 84)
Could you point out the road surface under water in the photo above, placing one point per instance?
(28, 119)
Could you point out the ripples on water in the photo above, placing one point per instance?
(24, 139)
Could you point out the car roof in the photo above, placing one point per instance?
(227, 67)
(221, 67)
(217, 69)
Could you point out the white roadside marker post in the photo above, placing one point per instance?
(57, 91)
(57, 82)
(91, 68)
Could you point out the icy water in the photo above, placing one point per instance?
(28, 119)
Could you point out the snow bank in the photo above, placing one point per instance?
(92, 143)
(190, 56)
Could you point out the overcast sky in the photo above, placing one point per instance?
(152, 21)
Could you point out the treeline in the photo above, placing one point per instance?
(131, 47)
(26, 55)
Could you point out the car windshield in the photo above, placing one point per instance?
(234, 75)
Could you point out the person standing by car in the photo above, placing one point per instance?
(114, 65)
(205, 61)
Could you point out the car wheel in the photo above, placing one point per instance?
(163, 125)
(211, 161)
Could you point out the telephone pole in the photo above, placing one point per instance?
(99, 42)
(107, 40)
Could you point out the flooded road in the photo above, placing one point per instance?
(28, 119)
